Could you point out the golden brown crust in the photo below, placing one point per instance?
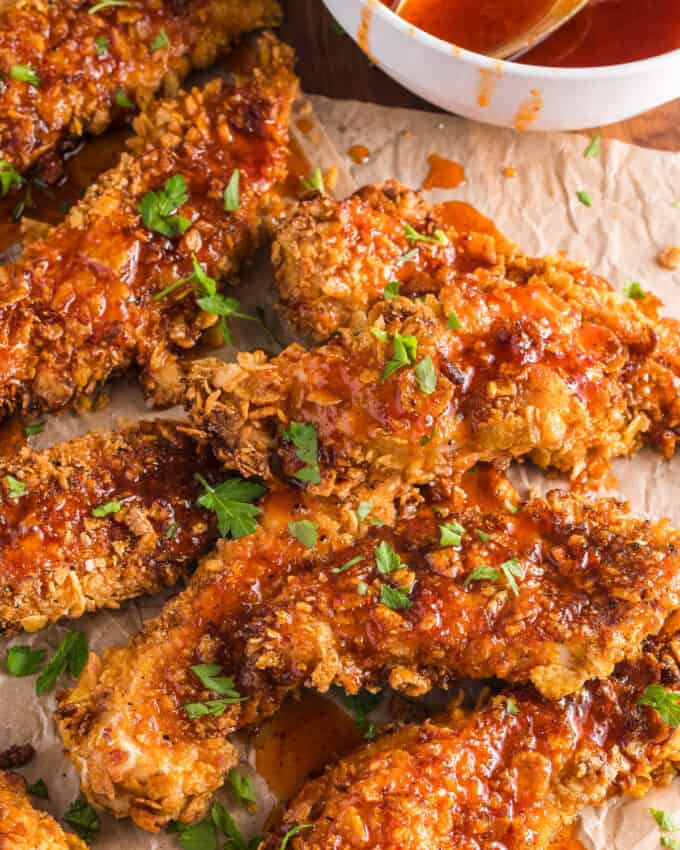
(499, 778)
(24, 828)
(59, 560)
(80, 305)
(78, 84)
(275, 617)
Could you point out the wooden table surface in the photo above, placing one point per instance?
(331, 64)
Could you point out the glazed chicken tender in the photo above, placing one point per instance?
(24, 828)
(574, 589)
(70, 68)
(103, 518)
(511, 775)
(97, 294)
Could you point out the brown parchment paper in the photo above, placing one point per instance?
(632, 217)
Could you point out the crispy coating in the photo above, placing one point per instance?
(59, 560)
(24, 828)
(80, 305)
(274, 616)
(510, 776)
(79, 78)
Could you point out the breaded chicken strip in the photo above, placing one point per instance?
(70, 68)
(91, 297)
(510, 775)
(273, 615)
(103, 518)
(24, 828)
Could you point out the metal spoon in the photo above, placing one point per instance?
(557, 15)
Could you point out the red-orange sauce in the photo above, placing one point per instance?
(606, 32)
(305, 125)
(567, 841)
(443, 173)
(298, 168)
(359, 153)
(467, 219)
(301, 739)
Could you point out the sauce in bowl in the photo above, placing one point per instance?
(606, 32)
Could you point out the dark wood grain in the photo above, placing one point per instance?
(330, 63)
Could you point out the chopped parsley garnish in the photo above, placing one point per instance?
(106, 509)
(634, 290)
(386, 559)
(315, 181)
(17, 488)
(670, 843)
(451, 534)
(593, 149)
(159, 209)
(209, 708)
(510, 569)
(25, 661)
(666, 821)
(362, 588)
(39, 789)
(348, 564)
(585, 198)
(394, 598)
(123, 100)
(160, 42)
(391, 290)
(364, 510)
(105, 4)
(361, 705)
(482, 573)
(208, 675)
(173, 530)
(439, 237)
(25, 74)
(232, 503)
(666, 703)
(403, 353)
(304, 437)
(511, 706)
(224, 822)
(9, 177)
(304, 531)
(483, 536)
(196, 836)
(70, 657)
(243, 787)
(408, 257)
(379, 334)
(425, 439)
(83, 818)
(34, 428)
(101, 45)
(426, 375)
(232, 192)
(453, 322)
(296, 830)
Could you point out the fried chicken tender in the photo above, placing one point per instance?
(66, 66)
(81, 304)
(511, 775)
(24, 828)
(103, 518)
(361, 608)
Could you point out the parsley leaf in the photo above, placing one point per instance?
(511, 706)
(296, 830)
(105, 4)
(243, 787)
(315, 181)
(363, 510)
(9, 177)
(482, 573)
(39, 789)
(391, 290)
(666, 703)
(304, 437)
(34, 428)
(404, 353)
(172, 531)
(231, 502)
(453, 322)
(451, 534)
(24, 661)
(670, 843)
(634, 290)
(585, 198)
(348, 564)
(83, 818)
(408, 257)
(439, 237)
(159, 209)
(101, 45)
(394, 598)
(225, 824)
(666, 821)
(70, 657)
(483, 536)
(362, 588)
(425, 439)
(17, 489)
(512, 569)
(304, 531)
(386, 559)
(207, 674)
(123, 100)
(196, 836)
(25, 74)
(160, 42)
(361, 705)
(426, 375)
(593, 149)
(209, 708)
(107, 508)
(232, 193)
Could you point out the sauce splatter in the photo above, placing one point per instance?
(300, 740)
(488, 80)
(305, 125)
(529, 110)
(364, 34)
(443, 173)
(359, 153)
(509, 171)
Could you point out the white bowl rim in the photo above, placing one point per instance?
(516, 69)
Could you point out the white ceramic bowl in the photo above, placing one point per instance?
(510, 95)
